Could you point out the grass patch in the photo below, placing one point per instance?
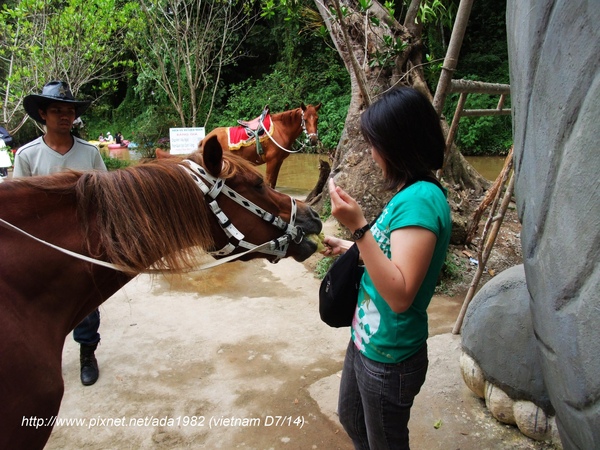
(115, 163)
(323, 266)
(452, 273)
(326, 209)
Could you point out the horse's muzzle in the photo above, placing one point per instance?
(313, 138)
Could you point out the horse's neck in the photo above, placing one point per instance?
(41, 281)
(291, 122)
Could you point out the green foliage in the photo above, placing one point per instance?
(488, 135)
(182, 47)
(453, 268)
(319, 78)
(323, 266)
(78, 41)
(484, 135)
(387, 58)
(288, 59)
(326, 210)
(435, 11)
(115, 163)
(432, 69)
(453, 271)
(390, 7)
(140, 121)
(343, 9)
(484, 57)
(364, 5)
(438, 18)
(149, 128)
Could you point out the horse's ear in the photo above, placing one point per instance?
(317, 106)
(303, 106)
(212, 153)
(161, 154)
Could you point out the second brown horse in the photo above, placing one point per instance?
(282, 130)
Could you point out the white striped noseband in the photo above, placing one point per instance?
(212, 187)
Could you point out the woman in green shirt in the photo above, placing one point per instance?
(403, 252)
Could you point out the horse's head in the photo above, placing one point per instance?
(248, 213)
(310, 120)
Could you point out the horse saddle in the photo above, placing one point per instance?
(251, 132)
(255, 126)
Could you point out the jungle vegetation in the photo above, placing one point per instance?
(150, 65)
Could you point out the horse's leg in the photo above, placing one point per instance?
(31, 388)
(273, 167)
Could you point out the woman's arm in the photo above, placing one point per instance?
(397, 279)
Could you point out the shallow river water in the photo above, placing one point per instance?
(300, 172)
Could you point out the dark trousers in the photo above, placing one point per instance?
(86, 333)
(376, 398)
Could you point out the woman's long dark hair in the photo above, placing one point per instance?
(405, 130)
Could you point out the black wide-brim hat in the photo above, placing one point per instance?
(55, 91)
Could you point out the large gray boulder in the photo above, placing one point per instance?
(498, 335)
(555, 92)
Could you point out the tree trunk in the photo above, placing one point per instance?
(360, 43)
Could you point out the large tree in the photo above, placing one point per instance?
(78, 41)
(380, 51)
(182, 46)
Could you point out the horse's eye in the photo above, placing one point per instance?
(260, 184)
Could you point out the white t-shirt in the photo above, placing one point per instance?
(36, 158)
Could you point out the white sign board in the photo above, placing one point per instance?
(185, 140)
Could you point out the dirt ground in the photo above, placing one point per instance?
(237, 357)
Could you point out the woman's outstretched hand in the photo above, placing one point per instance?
(335, 246)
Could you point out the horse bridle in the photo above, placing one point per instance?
(277, 247)
(302, 124)
(212, 186)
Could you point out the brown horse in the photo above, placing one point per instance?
(282, 130)
(148, 216)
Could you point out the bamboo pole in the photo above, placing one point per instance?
(451, 59)
(490, 195)
(485, 112)
(478, 87)
(486, 245)
(450, 138)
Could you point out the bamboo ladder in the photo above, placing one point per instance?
(500, 188)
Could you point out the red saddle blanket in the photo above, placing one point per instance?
(238, 137)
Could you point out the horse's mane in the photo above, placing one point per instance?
(149, 215)
(288, 117)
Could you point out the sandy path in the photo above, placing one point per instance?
(243, 343)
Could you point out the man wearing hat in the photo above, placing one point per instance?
(55, 151)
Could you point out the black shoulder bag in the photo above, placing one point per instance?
(338, 292)
(339, 288)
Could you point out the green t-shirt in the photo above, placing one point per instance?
(378, 332)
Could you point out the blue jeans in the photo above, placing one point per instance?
(86, 333)
(375, 398)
